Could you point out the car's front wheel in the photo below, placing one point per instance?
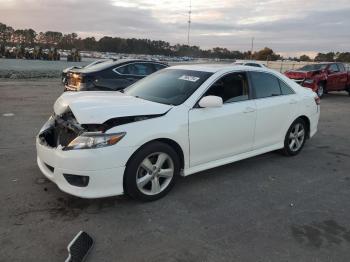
(151, 172)
(295, 138)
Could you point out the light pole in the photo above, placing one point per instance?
(189, 24)
(251, 51)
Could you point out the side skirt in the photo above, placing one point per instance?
(228, 160)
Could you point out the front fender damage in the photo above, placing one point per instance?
(65, 128)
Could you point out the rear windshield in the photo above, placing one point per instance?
(171, 86)
(313, 67)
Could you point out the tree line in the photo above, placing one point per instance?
(29, 38)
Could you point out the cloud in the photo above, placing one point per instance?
(289, 26)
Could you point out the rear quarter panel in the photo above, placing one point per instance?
(308, 107)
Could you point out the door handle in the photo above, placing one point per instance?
(249, 110)
(292, 101)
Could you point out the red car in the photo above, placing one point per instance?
(322, 78)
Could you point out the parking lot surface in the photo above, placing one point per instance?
(267, 208)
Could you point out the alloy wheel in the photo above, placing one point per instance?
(155, 173)
(296, 137)
(320, 91)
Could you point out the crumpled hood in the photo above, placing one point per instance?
(97, 107)
(295, 74)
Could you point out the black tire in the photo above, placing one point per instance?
(134, 169)
(289, 150)
(321, 90)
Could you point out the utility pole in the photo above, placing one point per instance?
(189, 24)
(251, 51)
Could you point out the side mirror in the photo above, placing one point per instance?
(210, 101)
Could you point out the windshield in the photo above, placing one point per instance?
(313, 67)
(171, 86)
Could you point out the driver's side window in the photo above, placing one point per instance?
(232, 87)
(333, 68)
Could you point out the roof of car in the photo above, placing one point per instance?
(213, 68)
(128, 60)
(110, 63)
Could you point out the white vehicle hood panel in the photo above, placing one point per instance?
(97, 107)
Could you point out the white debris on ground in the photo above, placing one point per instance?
(8, 114)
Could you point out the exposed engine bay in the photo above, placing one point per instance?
(63, 129)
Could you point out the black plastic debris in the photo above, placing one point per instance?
(79, 247)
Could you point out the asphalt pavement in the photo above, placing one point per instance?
(267, 208)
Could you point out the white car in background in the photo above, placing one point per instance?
(178, 121)
(250, 63)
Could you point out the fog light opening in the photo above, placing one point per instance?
(76, 180)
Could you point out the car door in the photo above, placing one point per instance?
(275, 104)
(333, 77)
(343, 77)
(217, 133)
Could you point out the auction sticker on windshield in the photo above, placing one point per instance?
(189, 78)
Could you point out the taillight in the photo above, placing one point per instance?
(317, 100)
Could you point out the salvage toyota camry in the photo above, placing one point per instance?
(178, 121)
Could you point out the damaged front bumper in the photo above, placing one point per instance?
(87, 173)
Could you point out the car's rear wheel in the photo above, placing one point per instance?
(295, 138)
(321, 90)
(151, 172)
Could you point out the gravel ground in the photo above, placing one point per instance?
(29, 69)
(267, 208)
(37, 69)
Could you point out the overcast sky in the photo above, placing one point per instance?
(290, 27)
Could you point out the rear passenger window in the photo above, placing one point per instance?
(122, 70)
(138, 69)
(159, 66)
(285, 89)
(265, 85)
(141, 69)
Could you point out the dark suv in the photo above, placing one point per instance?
(110, 75)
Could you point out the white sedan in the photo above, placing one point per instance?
(176, 122)
(250, 63)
